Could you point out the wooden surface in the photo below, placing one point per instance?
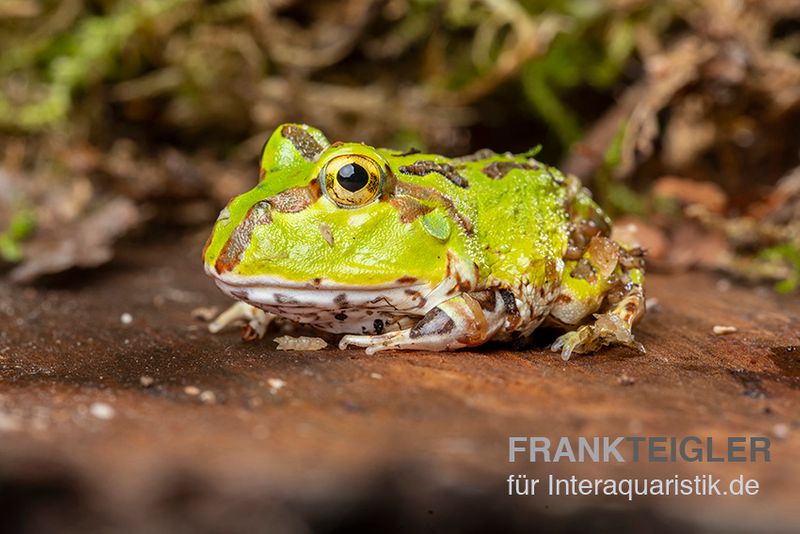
(157, 425)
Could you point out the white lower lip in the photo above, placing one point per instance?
(273, 293)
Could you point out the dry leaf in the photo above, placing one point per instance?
(88, 242)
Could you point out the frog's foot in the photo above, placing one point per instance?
(608, 329)
(611, 328)
(253, 320)
(462, 321)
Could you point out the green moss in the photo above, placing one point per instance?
(22, 224)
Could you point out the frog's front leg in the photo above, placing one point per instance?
(466, 320)
(609, 277)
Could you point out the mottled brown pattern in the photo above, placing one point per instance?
(424, 166)
(410, 209)
(428, 193)
(497, 170)
(572, 253)
(582, 232)
(293, 200)
(231, 253)
(303, 141)
(584, 270)
(633, 258)
(510, 304)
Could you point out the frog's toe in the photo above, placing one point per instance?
(254, 321)
(372, 344)
(611, 329)
(608, 329)
(565, 344)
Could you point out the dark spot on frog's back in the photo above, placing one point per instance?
(406, 280)
(303, 141)
(340, 316)
(424, 167)
(231, 253)
(497, 170)
(340, 300)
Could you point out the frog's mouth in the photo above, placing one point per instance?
(285, 297)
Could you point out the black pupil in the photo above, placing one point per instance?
(352, 177)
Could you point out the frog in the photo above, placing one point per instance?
(403, 250)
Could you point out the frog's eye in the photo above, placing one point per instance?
(352, 180)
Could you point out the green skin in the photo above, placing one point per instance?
(460, 238)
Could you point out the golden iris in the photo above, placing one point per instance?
(352, 180)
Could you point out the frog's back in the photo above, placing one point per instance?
(515, 206)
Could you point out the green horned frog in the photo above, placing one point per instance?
(402, 250)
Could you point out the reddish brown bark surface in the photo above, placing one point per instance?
(200, 434)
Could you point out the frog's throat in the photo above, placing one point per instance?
(287, 298)
(304, 301)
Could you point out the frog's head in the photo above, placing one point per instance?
(334, 220)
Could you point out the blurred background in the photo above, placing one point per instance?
(117, 115)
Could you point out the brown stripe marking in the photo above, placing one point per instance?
(303, 141)
(424, 166)
(497, 170)
(231, 253)
(429, 193)
(410, 208)
(295, 199)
